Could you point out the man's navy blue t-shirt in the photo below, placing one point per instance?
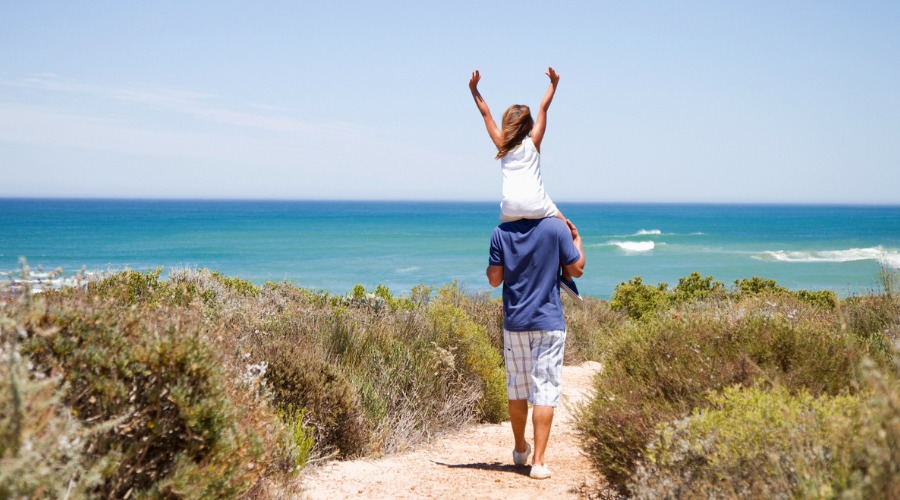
(531, 252)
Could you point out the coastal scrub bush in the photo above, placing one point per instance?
(879, 436)
(660, 368)
(177, 419)
(754, 443)
(299, 438)
(42, 445)
(873, 318)
(370, 372)
(469, 340)
(638, 299)
(479, 307)
(324, 396)
(695, 287)
(757, 285)
(826, 299)
(377, 300)
(133, 287)
(590, 327)
(763, 443)
(239, 286)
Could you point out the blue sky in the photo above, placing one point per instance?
(696, 101)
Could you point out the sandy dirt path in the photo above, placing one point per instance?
(474, 463)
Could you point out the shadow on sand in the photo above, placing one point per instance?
(521, 470)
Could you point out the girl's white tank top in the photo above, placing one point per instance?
(523, 189)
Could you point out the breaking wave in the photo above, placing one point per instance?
(634, 246)
(887, 257)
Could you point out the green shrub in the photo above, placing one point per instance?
(184, 423)
(638, 299)
(590, 327)
(481, 359)
(754, 443)
(132, 287)
(326, 397)
(879, 437)
(395, 378)
(42, 446)
(660, 368)
(873, 318)
(237, 285)
(481, 308)
(826, 299)
(695, 287)
(757, 285)
(300, 437)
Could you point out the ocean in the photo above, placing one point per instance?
(334, 245)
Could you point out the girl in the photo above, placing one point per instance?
(518, 149)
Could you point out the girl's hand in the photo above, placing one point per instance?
(473, 82)
(554, 76)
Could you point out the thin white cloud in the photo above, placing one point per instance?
(196, 104)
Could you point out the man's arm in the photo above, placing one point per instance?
(495, 275)
(575, 269)
(540, 124)
(492, 128)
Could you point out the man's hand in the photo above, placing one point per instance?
(553, 75)
(576, 238)
(575, 269)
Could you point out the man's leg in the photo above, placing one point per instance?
(517, 358)
(518, 417)
(542, 419)
(547, 352)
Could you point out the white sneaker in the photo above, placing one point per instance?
(539, 472)
(521, 458)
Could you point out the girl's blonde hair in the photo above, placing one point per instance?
(517, 123)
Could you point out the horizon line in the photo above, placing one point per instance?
(437, 201)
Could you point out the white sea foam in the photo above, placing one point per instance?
(404, 270)
(644, 232)
(887, 257)
(634, 246)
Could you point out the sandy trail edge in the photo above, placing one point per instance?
(474, 463)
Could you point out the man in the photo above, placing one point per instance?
(526, 256)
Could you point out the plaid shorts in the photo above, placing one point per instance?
(534, 365)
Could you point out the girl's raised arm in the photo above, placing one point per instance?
(492, 128)
(540, 124)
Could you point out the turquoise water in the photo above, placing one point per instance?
(335, 245)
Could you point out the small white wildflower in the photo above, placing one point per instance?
(255, 372)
